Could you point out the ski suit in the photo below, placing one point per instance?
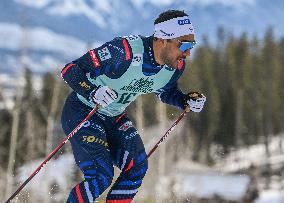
(108, 138)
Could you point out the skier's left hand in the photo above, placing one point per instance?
(195, 102)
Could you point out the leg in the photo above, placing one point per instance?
(92, 155)
(130, 156)
(96, 167)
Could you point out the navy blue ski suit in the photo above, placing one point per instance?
(109, 138)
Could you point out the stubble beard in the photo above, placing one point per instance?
(169, 61)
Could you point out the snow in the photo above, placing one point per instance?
(140, 3)
(71, 7)
(40, 64)
(104, 6)
(35, 4)
(77, 7)
(56, 172)
(210, 184)
(270, 196)
(224, 2)
(191, 180)
(43, 3)
(40, 39)
(254, 155)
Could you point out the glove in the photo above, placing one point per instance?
(103, 96)
(195, 101)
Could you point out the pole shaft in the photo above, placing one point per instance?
(52, 153)
(166, 134)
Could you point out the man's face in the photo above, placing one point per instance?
(171, 54)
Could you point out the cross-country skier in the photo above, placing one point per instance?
(113, 75)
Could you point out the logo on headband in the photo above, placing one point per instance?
(167, 34)
(184, 21)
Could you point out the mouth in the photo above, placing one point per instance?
(181, 60)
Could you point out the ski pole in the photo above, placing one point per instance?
(53, 152)
(167, 133)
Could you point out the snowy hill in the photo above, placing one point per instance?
(46, 49)
(92, 20)
(59, 31)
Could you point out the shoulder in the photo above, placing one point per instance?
(120, 48)
(132, 38)
(116, 50)
(136, 43)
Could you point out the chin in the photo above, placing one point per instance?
(175, 66)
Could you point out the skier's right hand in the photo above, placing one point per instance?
(103, 96)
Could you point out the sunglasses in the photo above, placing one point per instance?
(184, 46)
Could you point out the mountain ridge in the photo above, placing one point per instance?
(91, 20)
(73, 31)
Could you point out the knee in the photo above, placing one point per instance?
(142, 161)
(99, 176)
(143, 167)
(102, 181)
(98, 183)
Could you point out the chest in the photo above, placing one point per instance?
(134, 80)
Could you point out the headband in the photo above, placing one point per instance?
(174, 28)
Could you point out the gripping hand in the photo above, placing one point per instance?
(103, 96)
(195, 101)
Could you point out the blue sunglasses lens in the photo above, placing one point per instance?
(187, 45)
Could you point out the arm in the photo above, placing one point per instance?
(170, 93)
(111, 59)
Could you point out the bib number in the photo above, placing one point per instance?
(126, 98)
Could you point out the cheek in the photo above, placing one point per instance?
(176, 53)
(173, 50)
(168, 53)
(187, 53)
(163, 54)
